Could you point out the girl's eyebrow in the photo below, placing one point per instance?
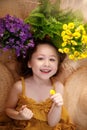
(53, 55)
(43, 55)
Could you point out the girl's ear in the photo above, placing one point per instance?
(29, 65)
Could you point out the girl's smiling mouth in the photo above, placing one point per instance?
(45, 70)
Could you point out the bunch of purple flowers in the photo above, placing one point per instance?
(15, 34)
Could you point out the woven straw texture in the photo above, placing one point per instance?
(20, 8)
(6, 81)
(76, 97)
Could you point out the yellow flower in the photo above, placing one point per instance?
(73, 42)
(69, 34)
(81, 27)
(64, 44)
(66, 50)
(65, 38)
(84, 55)
(52, 92)
(76, 35)
(74, 38)
(84, 32)
(77, 30)
(63, 33)
(60, 50)
(71, 57)
(84, 39)
(73, 48)
(65, 27)
(71, 25)
(76, 53)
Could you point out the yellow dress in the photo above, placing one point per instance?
(39, 120)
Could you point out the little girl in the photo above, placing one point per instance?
(36, 101)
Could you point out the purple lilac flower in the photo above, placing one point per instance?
(15, 34)
(2, 29)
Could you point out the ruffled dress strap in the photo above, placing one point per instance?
(20, 124)
(53, 90)
(53, 85)
(23, 86)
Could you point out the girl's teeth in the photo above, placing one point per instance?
(45, 71)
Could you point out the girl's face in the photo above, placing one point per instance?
(44, 62)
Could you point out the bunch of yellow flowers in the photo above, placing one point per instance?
(74, 41)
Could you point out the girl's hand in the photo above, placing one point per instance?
(25, 113)
(57, 99)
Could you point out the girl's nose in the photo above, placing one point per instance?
(46, 63)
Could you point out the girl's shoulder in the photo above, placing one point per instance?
(17, 86)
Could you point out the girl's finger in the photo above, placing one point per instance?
(23, 106)
(56, 95)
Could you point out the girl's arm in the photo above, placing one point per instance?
(54, 114)
(24, 113)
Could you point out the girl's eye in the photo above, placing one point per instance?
(40, 58)
(52, 59)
